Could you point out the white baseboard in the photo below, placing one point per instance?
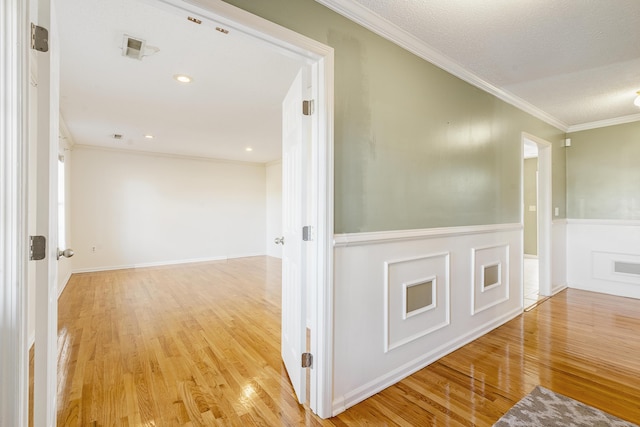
(556, 289)
(164, 263)
(529, 256)
(341, 403)
(62, 285)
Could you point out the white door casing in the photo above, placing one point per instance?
(13, 255)
(14, 36)
(293, 335)
(46, 320)
(544, 211)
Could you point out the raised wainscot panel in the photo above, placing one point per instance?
(616, 267)
(416, 298)
(490, 277)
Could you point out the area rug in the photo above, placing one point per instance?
(543, 407)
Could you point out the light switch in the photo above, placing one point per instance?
(557, 211)
(532, 208)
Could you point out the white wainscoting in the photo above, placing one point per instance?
(376, 343)
(593, 248)
(558, 256)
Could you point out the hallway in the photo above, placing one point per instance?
(199, 344)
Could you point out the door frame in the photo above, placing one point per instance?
(320, 58)
(14, 364)
(14, 163)
(544, 209)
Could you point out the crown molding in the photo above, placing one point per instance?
(66, 140)
(604, 123)
(163, 154)
(374, 22)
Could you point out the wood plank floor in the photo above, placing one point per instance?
(199, 345)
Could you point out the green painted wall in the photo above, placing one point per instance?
(530, 199)
(415, 147)
(603, 176)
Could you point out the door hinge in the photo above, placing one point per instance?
(307, 107)
(307, 235)
(307, 360)
(39, 38)
(37, 248)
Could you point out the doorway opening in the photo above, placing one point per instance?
(319, 58)
(536, 219)
(530, 222)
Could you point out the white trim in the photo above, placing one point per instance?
(367, 238)
(604, 123)
(529, 256)
(161, 263)
(64, 283)
(384, 381)
(544, 203)
(164, 155)
(607, 222)
(67, 140)
(404, 39)
(14, 80)
(321, 59)
(273, 163)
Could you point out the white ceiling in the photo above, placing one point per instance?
(234, 100)
(573, 63)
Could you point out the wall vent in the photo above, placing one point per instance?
(490, 276)
(133, 48)
(626, 268)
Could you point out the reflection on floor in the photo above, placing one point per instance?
(530, 282)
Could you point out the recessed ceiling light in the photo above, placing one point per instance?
(636, 101)
(248, 149)
(148, 136)
(183, 78)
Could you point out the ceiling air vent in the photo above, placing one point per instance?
(133, 48)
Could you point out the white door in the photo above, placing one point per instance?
(46, 305)
(293, 212)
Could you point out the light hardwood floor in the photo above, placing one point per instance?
(199, 345)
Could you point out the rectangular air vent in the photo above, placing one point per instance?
(133, 48)
(626, 267)
(490, 276)
(419, 297)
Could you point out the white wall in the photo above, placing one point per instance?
(375, 346)
(65, 264)
(593, 248)
(274, 208)
(140, 209)
(558, 255)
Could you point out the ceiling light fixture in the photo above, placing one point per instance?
(148, 136)
(183, 78)
(248, 149)
(636, 102)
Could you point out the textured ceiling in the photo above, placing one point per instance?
(233, 102)
(576, 60)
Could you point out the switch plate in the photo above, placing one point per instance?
(556, 211)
